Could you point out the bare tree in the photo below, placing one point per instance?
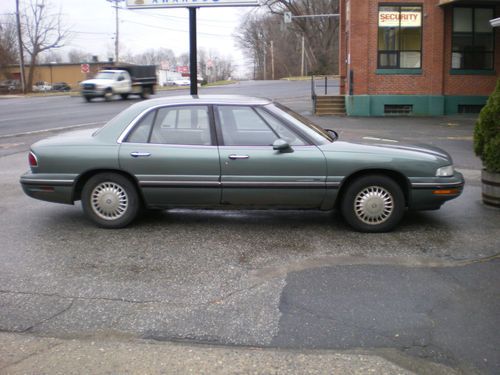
(43, 31)
(158, 57)
(214, 67)
(76, 56)
(50, 56)
(8, 43)
(320, 35)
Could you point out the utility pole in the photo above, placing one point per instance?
(117, 35)
(265, 63)
(21, 54)
(272, 59)
(303, 57)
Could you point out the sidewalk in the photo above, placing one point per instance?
(27, 354)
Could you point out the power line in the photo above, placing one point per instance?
(185, 19)
(177, 30)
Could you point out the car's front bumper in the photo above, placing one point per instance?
(431, 193)
(58, 189)
(92, 93)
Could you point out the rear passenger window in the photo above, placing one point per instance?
(140, 133)
(188, 125)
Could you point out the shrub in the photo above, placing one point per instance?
(487, 133)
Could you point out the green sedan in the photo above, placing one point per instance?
(235, 152)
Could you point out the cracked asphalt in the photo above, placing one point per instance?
(424, 298)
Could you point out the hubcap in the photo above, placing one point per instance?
(373, 205)
(109, 201)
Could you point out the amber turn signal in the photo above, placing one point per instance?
(446, 192)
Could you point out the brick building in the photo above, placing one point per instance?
(421, 57)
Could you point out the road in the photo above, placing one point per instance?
(424, 294)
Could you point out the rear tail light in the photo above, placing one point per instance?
(33, 160)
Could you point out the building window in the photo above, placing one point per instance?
(473, 39)
(399, 37)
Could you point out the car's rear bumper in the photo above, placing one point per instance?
(58, 189)
(430, 194)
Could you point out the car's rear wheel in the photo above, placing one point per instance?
(110, 200)
(373, 203)
(146, 92)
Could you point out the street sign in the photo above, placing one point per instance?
(146, 4)
(85, 68)
(288, 17)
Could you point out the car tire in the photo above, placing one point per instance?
(108, 94)
(110, 200)
(373, 204)
(88, 98)
(146, 92)
(124, 96)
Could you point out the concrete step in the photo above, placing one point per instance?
(330, 105)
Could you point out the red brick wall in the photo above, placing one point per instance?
(469, 84)
(358, 12)
(362, 28)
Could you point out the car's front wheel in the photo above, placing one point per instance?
(108, 94)
(373, 204)
(110, 200)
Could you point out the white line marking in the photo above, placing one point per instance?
(51, 130)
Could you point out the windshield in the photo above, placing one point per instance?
(316, 132)
(105, 75)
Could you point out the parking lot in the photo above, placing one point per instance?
(424, 297)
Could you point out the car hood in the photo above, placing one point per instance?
(390, 148)
(98, 82)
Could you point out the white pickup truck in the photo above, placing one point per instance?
(120, 80)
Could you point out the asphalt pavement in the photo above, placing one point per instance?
(265, 292)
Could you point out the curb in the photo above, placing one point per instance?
(27, 354)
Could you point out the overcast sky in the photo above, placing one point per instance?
(92, 23)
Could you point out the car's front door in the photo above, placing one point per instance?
(171, 153)
(254, 174)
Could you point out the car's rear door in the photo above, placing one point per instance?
(172, 154)
(254, 174)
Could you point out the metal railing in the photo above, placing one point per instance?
(323, 86)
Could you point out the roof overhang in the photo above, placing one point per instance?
(446, 2)
(467, 2)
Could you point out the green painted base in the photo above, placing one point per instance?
(421, 105)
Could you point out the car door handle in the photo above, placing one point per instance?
(140, 154)
(237, 157)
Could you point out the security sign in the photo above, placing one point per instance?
(142, 4)
(403, 19)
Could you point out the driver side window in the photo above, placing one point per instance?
(246, 126)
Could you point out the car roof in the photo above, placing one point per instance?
(118, 123)
(207, 99)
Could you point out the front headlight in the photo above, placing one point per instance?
(447, 171)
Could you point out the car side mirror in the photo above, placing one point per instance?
(282, 146)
